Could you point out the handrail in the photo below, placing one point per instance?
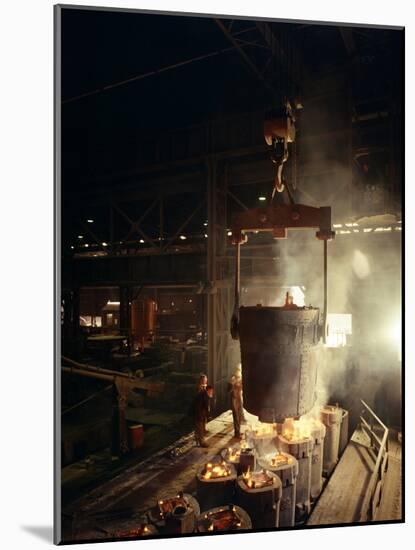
(374, 415)
(366, 513)
(372, 434)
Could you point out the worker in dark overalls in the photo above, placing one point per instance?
(201, 411)
(236, 401)
(201, 386)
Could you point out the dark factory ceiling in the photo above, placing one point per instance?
(100, 48)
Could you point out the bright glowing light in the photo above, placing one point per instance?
(90, 221)
(395, 332)
(72, 247)
(339, 326)
(109, 303)
(183, 237)
(337, 225)
(298, 296)
(229, 233)
(142, 241)
(360, 264)
(104, 244)
(80, 236)
(206, 236)
(367, 230)
(205, 224)
(262, 198)
(86, 245)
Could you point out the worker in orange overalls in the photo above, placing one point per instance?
(203, 382)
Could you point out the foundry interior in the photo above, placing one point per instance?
(231, 206)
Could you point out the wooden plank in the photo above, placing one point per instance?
(345, 491)
(391, 499)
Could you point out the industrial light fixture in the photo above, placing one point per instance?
(142, 241)
(206, 236)
(262, 198)
(86, 245)
(383, 229)
(229, 233)
(205, 224)
(72, 247)
(183, 237)
(104, 244)
(90, 221)
(80, 236)
(337, 225)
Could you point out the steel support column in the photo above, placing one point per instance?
(125, 308)
(119, 437)
(70, 321)
(219, 302)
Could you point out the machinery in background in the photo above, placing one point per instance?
(143, 323)
(122, 384)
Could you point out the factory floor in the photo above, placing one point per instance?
(98, 467)
(391, 503)
(342, 498)
(132, 492)
(117, 504)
